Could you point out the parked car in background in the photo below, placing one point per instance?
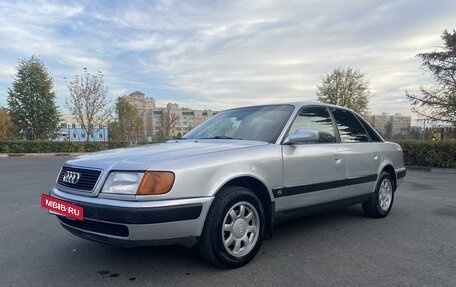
(225, 183)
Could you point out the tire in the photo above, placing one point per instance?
(382, 200)
(243, 233)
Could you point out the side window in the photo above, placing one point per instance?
(372, 134)
(350, 129)
(315, 118)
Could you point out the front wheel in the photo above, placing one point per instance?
(382, 200)
(233, 232)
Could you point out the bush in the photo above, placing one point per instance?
(56, 147)
(417, 153)
(429, 153)
(117, 144)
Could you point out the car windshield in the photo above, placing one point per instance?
(260, 123)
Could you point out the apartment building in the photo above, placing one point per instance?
(154, 117)
(389, 125)
(140, 102)
(379, 122)
(400, 122)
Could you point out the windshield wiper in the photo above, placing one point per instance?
(220, 137)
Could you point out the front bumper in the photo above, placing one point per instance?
(400, 174)
(137, 223)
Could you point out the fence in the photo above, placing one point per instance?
(41, 146)
(428, 134)
(141, 135)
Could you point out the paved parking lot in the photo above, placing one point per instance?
(414, 246)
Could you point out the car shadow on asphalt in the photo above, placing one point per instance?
(297, 237)
(335, 217)
(188, 260)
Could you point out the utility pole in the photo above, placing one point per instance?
(424, 129)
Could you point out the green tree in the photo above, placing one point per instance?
(437, 101)
(31, 101)
(128, 124)
(345, 87)
(88, 101)
(6, 125)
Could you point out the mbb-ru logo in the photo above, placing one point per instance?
(71, 177)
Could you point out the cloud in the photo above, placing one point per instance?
(221, 54)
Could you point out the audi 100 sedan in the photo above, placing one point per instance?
(223, 185)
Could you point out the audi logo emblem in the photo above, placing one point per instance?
(71, 177)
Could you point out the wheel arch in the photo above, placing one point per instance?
(390, 169)
(263, 194)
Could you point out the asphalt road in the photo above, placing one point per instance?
(414, 246)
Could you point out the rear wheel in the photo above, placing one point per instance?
(382, 200)
(233, 232)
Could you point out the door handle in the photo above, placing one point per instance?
(375, 156)
(337, 159)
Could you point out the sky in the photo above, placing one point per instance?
(222, 54)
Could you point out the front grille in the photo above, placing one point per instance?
(87, 178)
(96, 226)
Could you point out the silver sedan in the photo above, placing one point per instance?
(224, 185)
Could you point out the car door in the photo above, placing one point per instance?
(312, 171)
(362, 155)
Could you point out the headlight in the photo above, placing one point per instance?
(122, 182)
(141, 183)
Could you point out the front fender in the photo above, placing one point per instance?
(205, 175)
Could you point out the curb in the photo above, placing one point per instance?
(431, 169)
(4, 155)
(420, 168)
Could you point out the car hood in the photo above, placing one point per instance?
(145, 157)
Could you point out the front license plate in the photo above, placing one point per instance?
(61, 207)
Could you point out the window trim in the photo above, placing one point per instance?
(336, 129)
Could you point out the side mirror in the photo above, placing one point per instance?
(303, 136)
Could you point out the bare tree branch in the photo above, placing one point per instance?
(89, 101)
(168, 122)
(437, 102)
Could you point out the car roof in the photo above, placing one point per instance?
(295, 104)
